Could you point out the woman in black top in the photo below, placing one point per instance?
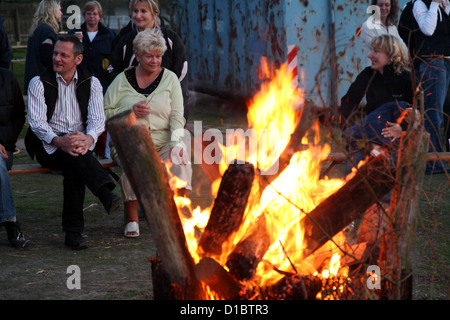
(388, 88)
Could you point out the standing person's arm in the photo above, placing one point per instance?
(178, 63)
(426, 18)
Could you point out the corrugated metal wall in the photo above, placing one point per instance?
(225, 40)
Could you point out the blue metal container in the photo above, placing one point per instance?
(225, 40)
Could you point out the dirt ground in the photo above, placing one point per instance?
(113, 267)
(117, 268)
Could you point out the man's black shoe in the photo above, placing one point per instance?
(114, 204)
(15, 235)
(75, 241)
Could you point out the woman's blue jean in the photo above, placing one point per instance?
(7, 209)
(370, 127)
(435, 78)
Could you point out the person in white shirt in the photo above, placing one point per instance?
(382, 22)
(65, 114)
(433, 43)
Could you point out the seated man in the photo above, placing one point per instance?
(65, 113)
(12, 110)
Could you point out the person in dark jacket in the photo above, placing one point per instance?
(388, 89)
(433, 19)
(144, 14)
(12, 119)
(6, 52)
(43, 36)
(97, 41)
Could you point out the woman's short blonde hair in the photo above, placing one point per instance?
(91, 6)
(153, 6)
(149, 40)
(393, 47)
(45, 13)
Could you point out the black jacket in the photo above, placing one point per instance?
(12, 109)
(6, 51)
(97, 54)
(39, 57)
(378, 89)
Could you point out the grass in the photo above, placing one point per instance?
(432, 252)
(18, 68)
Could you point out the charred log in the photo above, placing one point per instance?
(294, 287)
(211, 273)
(371, 182)
(229, 207)
(248, 253)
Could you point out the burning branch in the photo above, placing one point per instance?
(371, 181)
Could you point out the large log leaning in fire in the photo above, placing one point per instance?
(229, 207)
(141, 163)
(308, 116)
(372, 181)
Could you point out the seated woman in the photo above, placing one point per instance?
(388, 89)
(154, 94)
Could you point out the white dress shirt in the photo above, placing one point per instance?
(67, 115)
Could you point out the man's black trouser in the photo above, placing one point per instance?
(78, 172)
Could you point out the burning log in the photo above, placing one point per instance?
(295, 287)
(229, 207)
(162, 288)
(373, 180)
(150, 183)
(248, 253)
(307, 118)
(217, 278)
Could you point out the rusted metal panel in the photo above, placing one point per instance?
(225, 40)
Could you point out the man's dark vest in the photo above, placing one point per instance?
(83, 93)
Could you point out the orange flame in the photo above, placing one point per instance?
(296, 191)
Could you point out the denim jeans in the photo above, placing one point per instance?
(370, 127)
(7, 209)
(435, 75)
